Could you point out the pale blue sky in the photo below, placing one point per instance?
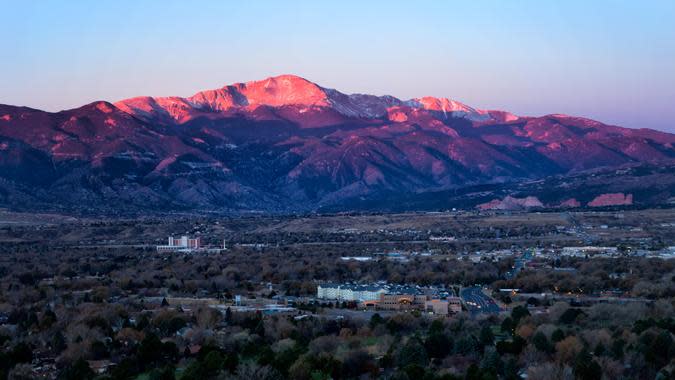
(609, 60)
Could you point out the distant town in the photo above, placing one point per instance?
(146, 298)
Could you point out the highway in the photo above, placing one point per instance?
(478, 302)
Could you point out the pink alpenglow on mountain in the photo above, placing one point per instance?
(296, 92)
(286, 144)
(612, 199)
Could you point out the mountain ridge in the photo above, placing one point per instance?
(285, 143)
(287, 90)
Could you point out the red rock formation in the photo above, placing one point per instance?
(511, 203)
(611, 199)
(572, 202)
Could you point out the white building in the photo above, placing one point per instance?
(589, 251)
(346, 292)
(182, 244)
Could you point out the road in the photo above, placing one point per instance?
(519, 264)
(579, 229)
(360, 314)
(478, 302)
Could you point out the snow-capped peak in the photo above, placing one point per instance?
(291, 90)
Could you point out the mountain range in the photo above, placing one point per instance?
(285, 144)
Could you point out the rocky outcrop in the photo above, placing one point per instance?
(612, 199)
(570, 203)
(511, 203)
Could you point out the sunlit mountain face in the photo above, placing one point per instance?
(285, 144)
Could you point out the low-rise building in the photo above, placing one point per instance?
(450, 305)
(348, 292)
(402, 302)
(437, 307)
(392, 297)
(589, 251)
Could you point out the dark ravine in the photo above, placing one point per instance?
(285, 144)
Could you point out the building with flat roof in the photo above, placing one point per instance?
(450, 305)
(402, 302)
(392, 297)
(182, 244)
(348, 292)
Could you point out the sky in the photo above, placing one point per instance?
(610, 60)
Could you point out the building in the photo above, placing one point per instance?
(356, 258)
(402, 302)
(421, 302)
(589, 251)
(392, 297)
(454, 305)
(348, 292)
(182, 244)
(443, 239)
(437, 307)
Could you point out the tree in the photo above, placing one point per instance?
(165, 373)
(570, 315)
(284, 359)
(508, 325)
(413, 352)
(518, 313)
(617, 349)
(476, 373)
(213, 362)
(513, 347)
(438, 345)
(195, 371)
(486, 337)
(465, 345)
(585, 368)
(150, 350)
(511, 369)
(659, 349)
(436, 327)
(541, 343)
(414, 371)
(77, 371)
(253, 371)
(21, 353)
(58, 342)
(48, 319)
(567, 349)
(492, 362)
(557, 335)
(600, 350)
(358, 362)
(21, 372)
(375, 320)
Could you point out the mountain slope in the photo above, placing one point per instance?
(286, 144)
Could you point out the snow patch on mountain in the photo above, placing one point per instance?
(291, 90)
